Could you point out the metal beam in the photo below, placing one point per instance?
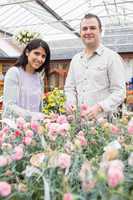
(56, 16)
(117, 12)
(12, 3)
(5, 32)
(111, 4)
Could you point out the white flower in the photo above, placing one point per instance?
(31, 170)
(115, 144)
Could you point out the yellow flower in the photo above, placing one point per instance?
(54, 102)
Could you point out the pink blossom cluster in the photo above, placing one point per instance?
(64, 161)
(81, 138)
(115, 173)
(59, 126)
(68, 196)
(24, 134)
(5, 189)
(130, 127)
(84, 110)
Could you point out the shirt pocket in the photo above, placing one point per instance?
(99, 75)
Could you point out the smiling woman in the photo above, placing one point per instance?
(23, 86)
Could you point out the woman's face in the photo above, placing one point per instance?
(36, 58)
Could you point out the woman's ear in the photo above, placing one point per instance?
(27, 52)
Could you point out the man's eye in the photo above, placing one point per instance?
(84, 28)
(92, 28)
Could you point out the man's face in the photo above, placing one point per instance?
(90, 32)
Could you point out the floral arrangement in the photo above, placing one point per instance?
(54, 101)
(23, 37)
(67, 157)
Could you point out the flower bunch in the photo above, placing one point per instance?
(54, 101)
(67, 157)
(23, 37)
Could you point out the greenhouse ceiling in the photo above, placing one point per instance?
(60, 19)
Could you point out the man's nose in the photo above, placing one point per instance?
(88, 30)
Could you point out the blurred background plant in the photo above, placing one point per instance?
(54, 102)
(25, 36)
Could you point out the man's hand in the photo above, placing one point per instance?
(94, 111)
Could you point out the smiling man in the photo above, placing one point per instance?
(96, 75)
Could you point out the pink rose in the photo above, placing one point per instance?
(29, 133)
(5, 129)
(88, 185)
(3, 161)
(68, 196)
(63, 128)
(130, 123)
(130, 127)
(27, 140)
(82, 140)
(53, 130)
(114, 129)
(115, 173)
(5, 189)
(20, 122)
(61, 119)
(115, 176)
(53, 127)
(34, 125)
(84, 109)
(18, 153)
(130, 130)
(64, 161)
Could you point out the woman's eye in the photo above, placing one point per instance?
(36, 53)
(43, 56)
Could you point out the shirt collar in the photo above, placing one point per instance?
(98, 51)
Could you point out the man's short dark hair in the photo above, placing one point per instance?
(90, 15)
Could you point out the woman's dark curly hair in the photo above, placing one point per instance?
(34, 44)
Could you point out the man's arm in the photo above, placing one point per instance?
(117, 88)
(116, 75)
